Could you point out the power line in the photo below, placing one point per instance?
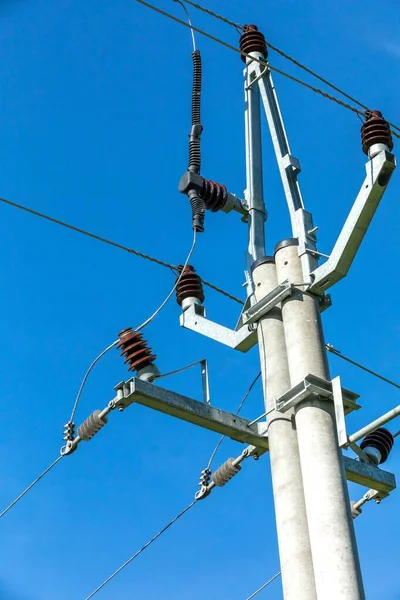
(261, 62)
(26, 490)
(132, 558)
(173, 268)
(237, 26)
(264, 586)
(240, 28)
(243, 400)
(333, 350)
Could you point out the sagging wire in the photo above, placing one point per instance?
(69, 427)
(333, 350)
(241, 404)
(254, 594)
(26, 490)
(134, 556)
(190, 23)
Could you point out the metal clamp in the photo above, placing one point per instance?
(261, 308)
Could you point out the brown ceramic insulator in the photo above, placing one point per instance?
(189, 285)
(214, 195)
(375, 130)
(137, 354)
(252, 40)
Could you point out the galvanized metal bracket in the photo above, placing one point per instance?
(345, 401)
(379, 171)
(369, 476)
(199, 413)
(194, 318)
(261, 308)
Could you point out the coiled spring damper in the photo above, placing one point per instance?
(378, 445)
(252, 40)
(135, 349)
(375, 130)
(189, 286)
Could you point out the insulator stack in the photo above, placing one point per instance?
(225, 472)
(382, 440)
(252, 40)
(205, 478)
(214, 195)
(189, 285)
(135, 349)
(69, 431)
(375, 130)
(91, 426)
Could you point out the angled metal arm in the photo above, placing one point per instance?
(379, 172)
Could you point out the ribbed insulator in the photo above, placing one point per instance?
(214, 195)
(91, 426)
(375, 130)
(382, 440)
(252, 40)
(225, 472)
(69, 431)
(135, 349)
(189, 285)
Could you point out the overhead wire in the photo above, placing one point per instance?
(190, 23)
(241, 404)
(146, 545)
(240, 28)
(333, 350)
(172, 267)
(263, 63)
(254, 594)
(34, 482)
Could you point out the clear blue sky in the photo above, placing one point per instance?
(94, 117)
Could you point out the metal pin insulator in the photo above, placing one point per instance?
(91, 426)
(225, 472)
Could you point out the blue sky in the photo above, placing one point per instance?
(94, 116)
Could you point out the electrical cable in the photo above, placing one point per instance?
(142, 326)
(263, 586)
(96, 360)
(240, 28)
(26, 490)
(333, 350)
(261, 62)
(190, 23)
(173, 268)
(243, 400)
(155, 313)
(134, 556)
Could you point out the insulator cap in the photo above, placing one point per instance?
(135, 349)
(252, 40)
(214, 195)
(382, 440)
(189, 285)
(375, 130)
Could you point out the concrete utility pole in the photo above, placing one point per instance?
(305, 431)
(334, 550)
(291, 518)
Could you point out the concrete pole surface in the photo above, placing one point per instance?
(291, 520)
(333, 545)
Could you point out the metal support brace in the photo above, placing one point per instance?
(261, 308)
(193, 318)
(345, 402)
(192, 411)
(379, 171)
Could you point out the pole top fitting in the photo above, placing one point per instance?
(375, 130)
(286, 243)
(252, 40)
(263, 260)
